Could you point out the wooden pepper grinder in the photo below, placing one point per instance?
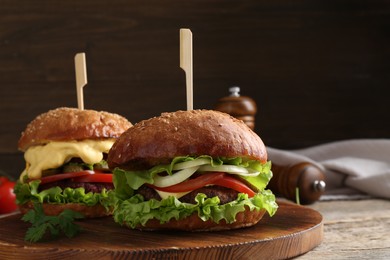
(305, 178)
(240, 107)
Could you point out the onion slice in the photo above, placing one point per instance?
(231, 169)
(177, 177)
(192, 163)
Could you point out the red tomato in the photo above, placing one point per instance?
(97, 177)
(192, 184)
(83, 176)
(7, 196)
(63, 176)
(214, 178)
(235, 184)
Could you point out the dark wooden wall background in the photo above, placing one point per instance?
(318, 69)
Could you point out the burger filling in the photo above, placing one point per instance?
(215, 188)
(76, 167)
(225, 195)
(66, 172)
(41, 159)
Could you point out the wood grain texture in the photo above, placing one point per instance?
(357, 229)
(293, 231)
(318, 70)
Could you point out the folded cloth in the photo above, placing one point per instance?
(351, 167)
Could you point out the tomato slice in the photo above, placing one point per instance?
(235, 184)
(63, 176)
(192, 184)
(215, 178)
(97, 177)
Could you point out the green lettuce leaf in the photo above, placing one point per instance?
(262, 180)
(135, 211)
(26, 192)
(136, 179)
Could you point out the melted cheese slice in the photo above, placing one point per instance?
(165, 195)
(55, 154)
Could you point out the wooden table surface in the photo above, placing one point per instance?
(353, 229)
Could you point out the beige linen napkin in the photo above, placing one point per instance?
(352, 167)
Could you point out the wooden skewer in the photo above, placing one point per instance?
(81, 77)
(186, 63)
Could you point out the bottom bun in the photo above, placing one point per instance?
(245, 218)
(55, 209)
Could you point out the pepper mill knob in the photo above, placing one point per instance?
(234, 91)
(240, 107)
(305, 178)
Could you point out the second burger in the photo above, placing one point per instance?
(196, 170)
(65, 150)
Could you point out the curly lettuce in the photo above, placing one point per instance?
(26, 192)
(136, 211)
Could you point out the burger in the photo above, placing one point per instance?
(65, 150)
(197, 170)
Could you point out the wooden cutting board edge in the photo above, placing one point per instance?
(282, 246)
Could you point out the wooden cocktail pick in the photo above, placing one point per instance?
(81, 77)
(186, 63)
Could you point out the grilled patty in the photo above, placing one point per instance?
(225, 194)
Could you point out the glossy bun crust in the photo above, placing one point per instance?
(72, 124)
(196, 132)
(55, 209)
(245, 218)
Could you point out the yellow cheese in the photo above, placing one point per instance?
(55, 154)
(165, 195)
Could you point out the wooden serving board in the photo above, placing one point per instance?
(292, 231)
